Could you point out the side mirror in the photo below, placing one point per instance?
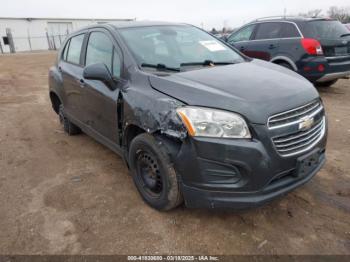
(100, 72)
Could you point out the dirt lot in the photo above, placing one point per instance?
(71, 195)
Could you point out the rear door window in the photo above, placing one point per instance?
(289, 31)
(268, 31)
(74, 50)
(242, 35)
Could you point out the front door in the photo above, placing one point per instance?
(100, 100)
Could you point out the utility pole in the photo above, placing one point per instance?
(29, 42)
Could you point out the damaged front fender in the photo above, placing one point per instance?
(153, 112)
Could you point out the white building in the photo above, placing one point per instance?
(29, 34)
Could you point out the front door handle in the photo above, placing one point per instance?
(81, 82)
(272, 46)
(242, 48)
(60, 69)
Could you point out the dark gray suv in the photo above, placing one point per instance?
(194, 119)
(316, 48)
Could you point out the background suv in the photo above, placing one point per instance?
(317, 48)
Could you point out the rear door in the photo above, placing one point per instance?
(71, 68)
(241, 39)
(267, 40)
(290, 41)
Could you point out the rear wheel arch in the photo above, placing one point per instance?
(55, 101)
(281, 60)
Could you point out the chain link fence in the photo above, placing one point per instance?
(11, 44)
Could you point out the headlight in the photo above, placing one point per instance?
(208, 122)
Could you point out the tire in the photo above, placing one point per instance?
(286, 65)
(153, 173)
(326, 84)
(68, 126)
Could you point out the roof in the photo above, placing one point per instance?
(290, 18)
(64, 19)
(128, 24)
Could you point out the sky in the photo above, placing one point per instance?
(204, 13)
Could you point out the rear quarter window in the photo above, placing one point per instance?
(324, 29)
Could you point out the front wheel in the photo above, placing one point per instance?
(153, 173)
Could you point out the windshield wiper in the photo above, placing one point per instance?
(160, 67)
(206, 63)
(345, 34)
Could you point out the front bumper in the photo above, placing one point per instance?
(238, 174)
(199, 198)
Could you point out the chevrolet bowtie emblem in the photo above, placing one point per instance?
(306, 123)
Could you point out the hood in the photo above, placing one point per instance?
(255, 89)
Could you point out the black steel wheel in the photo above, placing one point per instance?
(149, 173)
(153, 173)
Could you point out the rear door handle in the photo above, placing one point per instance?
(60, 69)
(242, 48)
(272, 46)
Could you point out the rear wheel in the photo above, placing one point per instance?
(68, 126)
(326, 84)
(153, 173)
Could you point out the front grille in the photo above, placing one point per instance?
(294, 116)
(300, 141)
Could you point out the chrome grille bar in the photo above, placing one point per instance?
(301, 141)
(294, 116)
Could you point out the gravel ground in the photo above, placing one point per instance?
(71, 195)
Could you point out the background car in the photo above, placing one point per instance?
(317, 48)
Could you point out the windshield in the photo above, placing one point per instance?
(326, 29)
(173, 46)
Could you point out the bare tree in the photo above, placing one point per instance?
(311, 13)
(340, 13)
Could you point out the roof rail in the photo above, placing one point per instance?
(273, 17)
